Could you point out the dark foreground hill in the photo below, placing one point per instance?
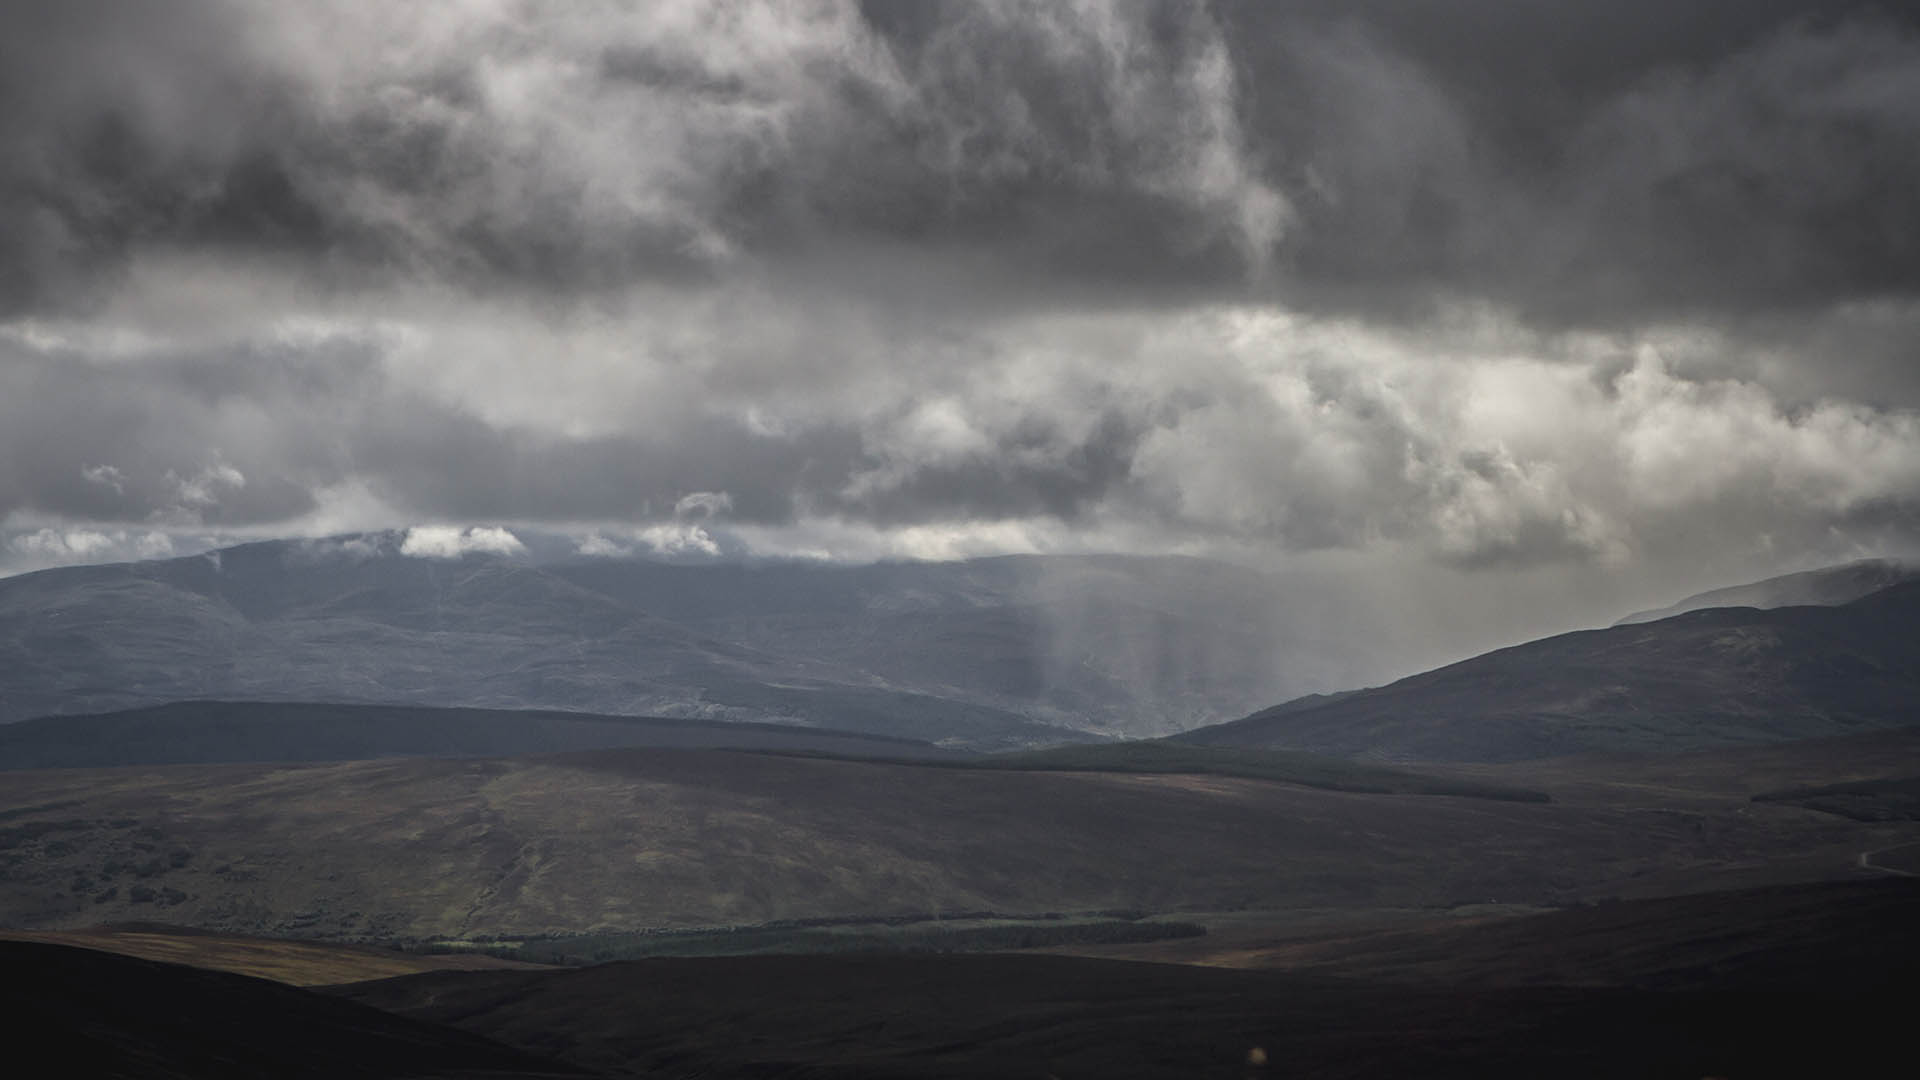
(1721, 676)
(988, 654)
(77, 1012)
(1067, 1017)
(211, 732)
(1835, 936)
(1786, 982)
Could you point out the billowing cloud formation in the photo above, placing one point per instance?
(1584, 165)
(1496, 285)
(1236, 425)
(590, 145)
(57, 547)
(449, 542)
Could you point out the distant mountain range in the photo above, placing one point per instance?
(990, 654)
(1712, 677)
(986, 655)
(1822, 588)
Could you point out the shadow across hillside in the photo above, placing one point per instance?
(82, 1013)
(1016, 1015)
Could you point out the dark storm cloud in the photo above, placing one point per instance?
(1592, 165)
(107, 121)
(243, 434)
(1036, 463)
(580, 149)
(1589, 165)
(149, 442)
(449, 466)
(246, 435)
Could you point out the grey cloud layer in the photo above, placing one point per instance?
(1585, 165)
(1502, 284)
(1234, 426)
(586, 145)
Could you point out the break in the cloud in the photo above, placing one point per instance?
(1500, 285)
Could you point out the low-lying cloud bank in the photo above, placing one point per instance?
(1225, 427)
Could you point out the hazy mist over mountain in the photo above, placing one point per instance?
(1469, 322)
(987, 654)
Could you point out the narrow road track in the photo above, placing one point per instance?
(1866, 860)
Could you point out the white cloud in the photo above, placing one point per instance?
(48, 546)
(594, 545)
(451, 541)
(106, 476)
(679, 538)
(702, 505)
(203, 490)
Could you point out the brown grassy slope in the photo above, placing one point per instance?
(296, 963)
(633, 839)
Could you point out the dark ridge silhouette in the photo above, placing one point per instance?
(79, 1012)
(1716, 677)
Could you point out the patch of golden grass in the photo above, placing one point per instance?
(298, 963)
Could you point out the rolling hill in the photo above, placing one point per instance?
(1714, 677)
(212, 732)
(628, 840)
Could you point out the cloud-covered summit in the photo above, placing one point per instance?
(1504, 286)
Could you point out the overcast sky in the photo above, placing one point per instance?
(1576, 304)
